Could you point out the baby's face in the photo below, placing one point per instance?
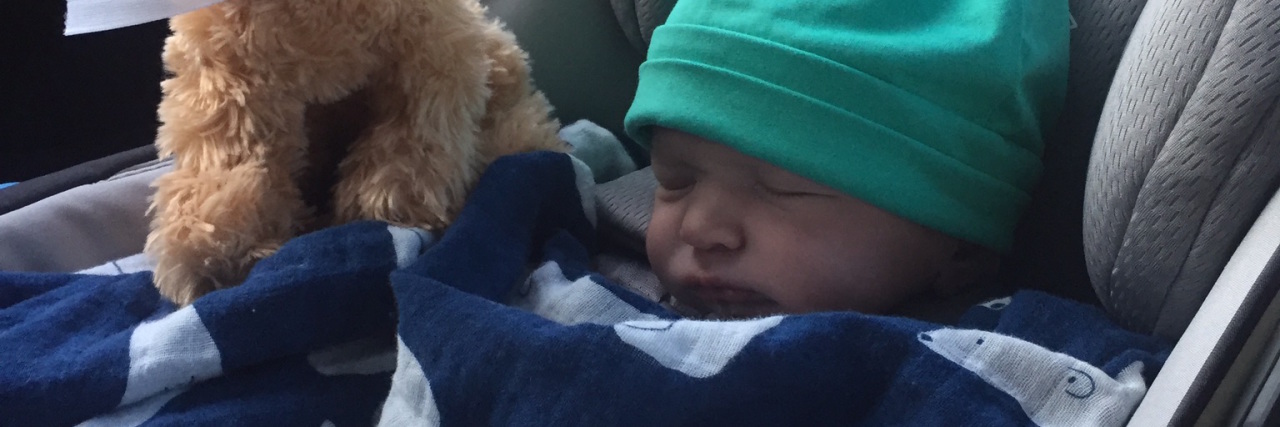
(733, 236)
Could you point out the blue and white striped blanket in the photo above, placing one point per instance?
(367, 323)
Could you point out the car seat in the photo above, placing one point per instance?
(1158, 200)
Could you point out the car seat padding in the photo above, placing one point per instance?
(1186, 156)
(1048, 252)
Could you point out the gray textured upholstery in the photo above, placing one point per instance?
(1187, 154)
(1048, 251)
(624, 206)
(638, 18)
(1191, 386)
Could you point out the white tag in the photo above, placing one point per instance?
(88, 16)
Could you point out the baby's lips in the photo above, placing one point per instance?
(729, 295)
(720, 310)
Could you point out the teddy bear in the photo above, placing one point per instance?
(283, 116)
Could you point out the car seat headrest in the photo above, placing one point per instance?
(1187, 154)
(1048, 253)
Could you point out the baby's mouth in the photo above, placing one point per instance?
(717, 300)
(728, 295)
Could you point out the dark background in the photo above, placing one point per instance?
(65, 100)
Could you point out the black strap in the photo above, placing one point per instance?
(36, 189)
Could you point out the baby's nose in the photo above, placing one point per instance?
(712, 227)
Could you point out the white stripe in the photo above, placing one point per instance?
(697, 348)
(409, 243)
(87, 16)
(127, 265)
(170, 353)
(410, 402)
(135, 414)
(363, 357)
(548, 293)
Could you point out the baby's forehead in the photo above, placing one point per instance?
(674, 151)
(675, 148)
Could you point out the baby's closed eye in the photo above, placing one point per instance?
(777, 182)
(794, 188)
(673, 181)
(790, 192)
(672, 186)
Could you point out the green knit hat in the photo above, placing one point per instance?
(930, 109)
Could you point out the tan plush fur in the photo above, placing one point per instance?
(442, 90)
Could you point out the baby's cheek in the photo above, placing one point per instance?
(660, 239)
(846, 278)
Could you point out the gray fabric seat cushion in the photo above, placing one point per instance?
(1186, 156)
(1048, 252)
(81, 227)
(624, 206)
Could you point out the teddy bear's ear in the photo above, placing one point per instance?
(638, 18)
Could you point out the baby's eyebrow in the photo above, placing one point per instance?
(659, 156)
(780, 176)
(672, 163)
